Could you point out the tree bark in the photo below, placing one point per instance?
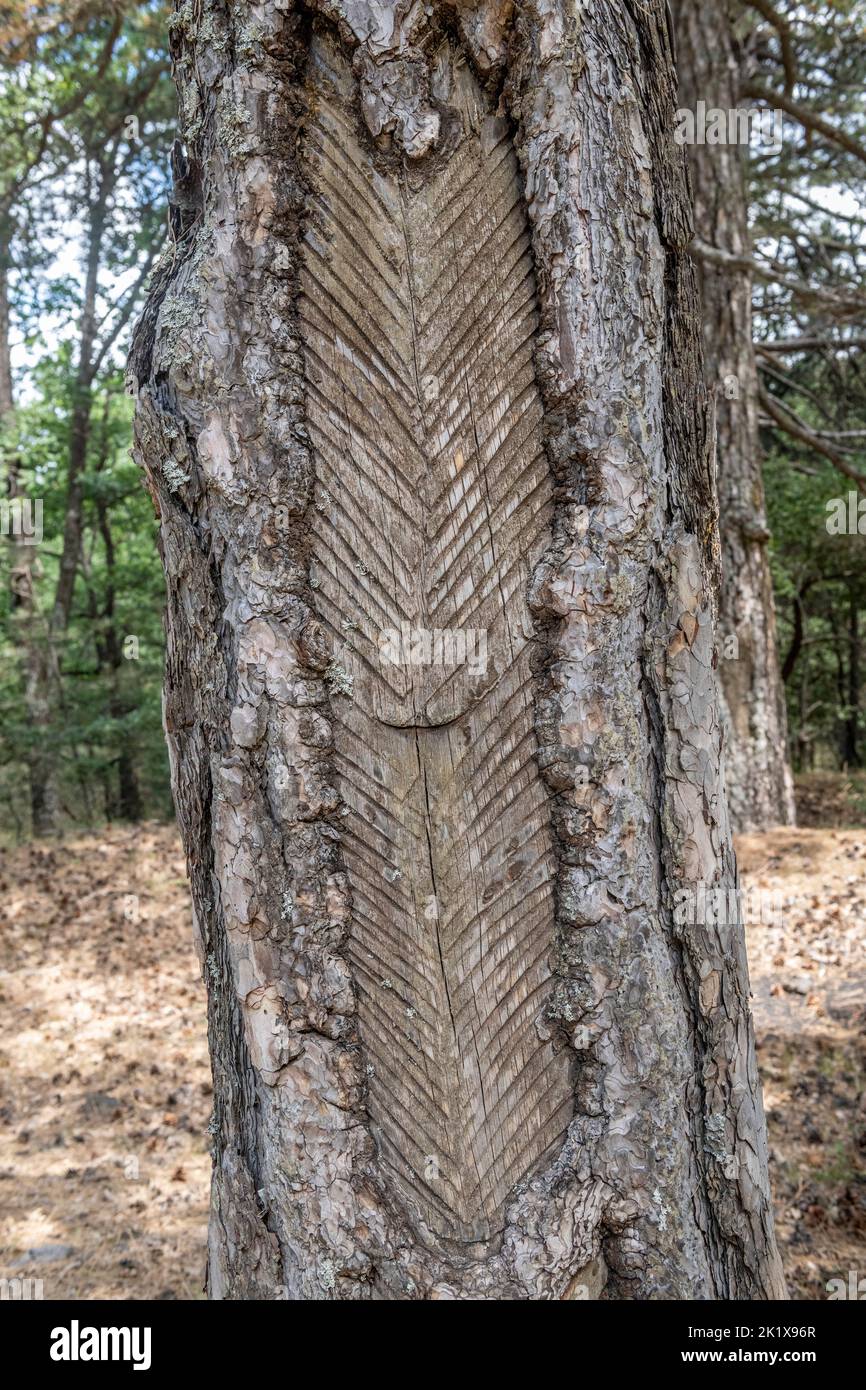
(758, 775)
(82, 404)
(122, 793)
(7, 400)
(851, 743)
(425, 353)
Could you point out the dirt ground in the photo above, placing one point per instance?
(808, 972)
(104, 1075)
(105, 1092)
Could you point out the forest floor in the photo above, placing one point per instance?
(105, 1082)
(808, 971)
(105, 1093)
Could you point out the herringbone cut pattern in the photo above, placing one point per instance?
(434, 500)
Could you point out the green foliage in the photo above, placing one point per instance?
(86, 122)
(98, 713)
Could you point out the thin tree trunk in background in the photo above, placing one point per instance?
(44, 678)
(79, 433)
(840, 648)
(127, 803)
(851, 756)
(426, 354)
(806, 745)
(758, 776)
(122, 793)
(7, 400)
(798, 633)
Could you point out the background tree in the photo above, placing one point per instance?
(760, 786)
(805, 274)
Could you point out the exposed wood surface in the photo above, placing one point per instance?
(418, 314)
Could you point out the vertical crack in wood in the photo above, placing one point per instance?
(434, 500)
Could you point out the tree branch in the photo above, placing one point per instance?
(810, 342)
(807, 118)
(129, 303)
(843, 302)
(797, 387)
(797, 428)
(783, 29)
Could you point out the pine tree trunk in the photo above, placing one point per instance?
(44, 668)
(758, 775)
(851, 751)
(423, 360)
